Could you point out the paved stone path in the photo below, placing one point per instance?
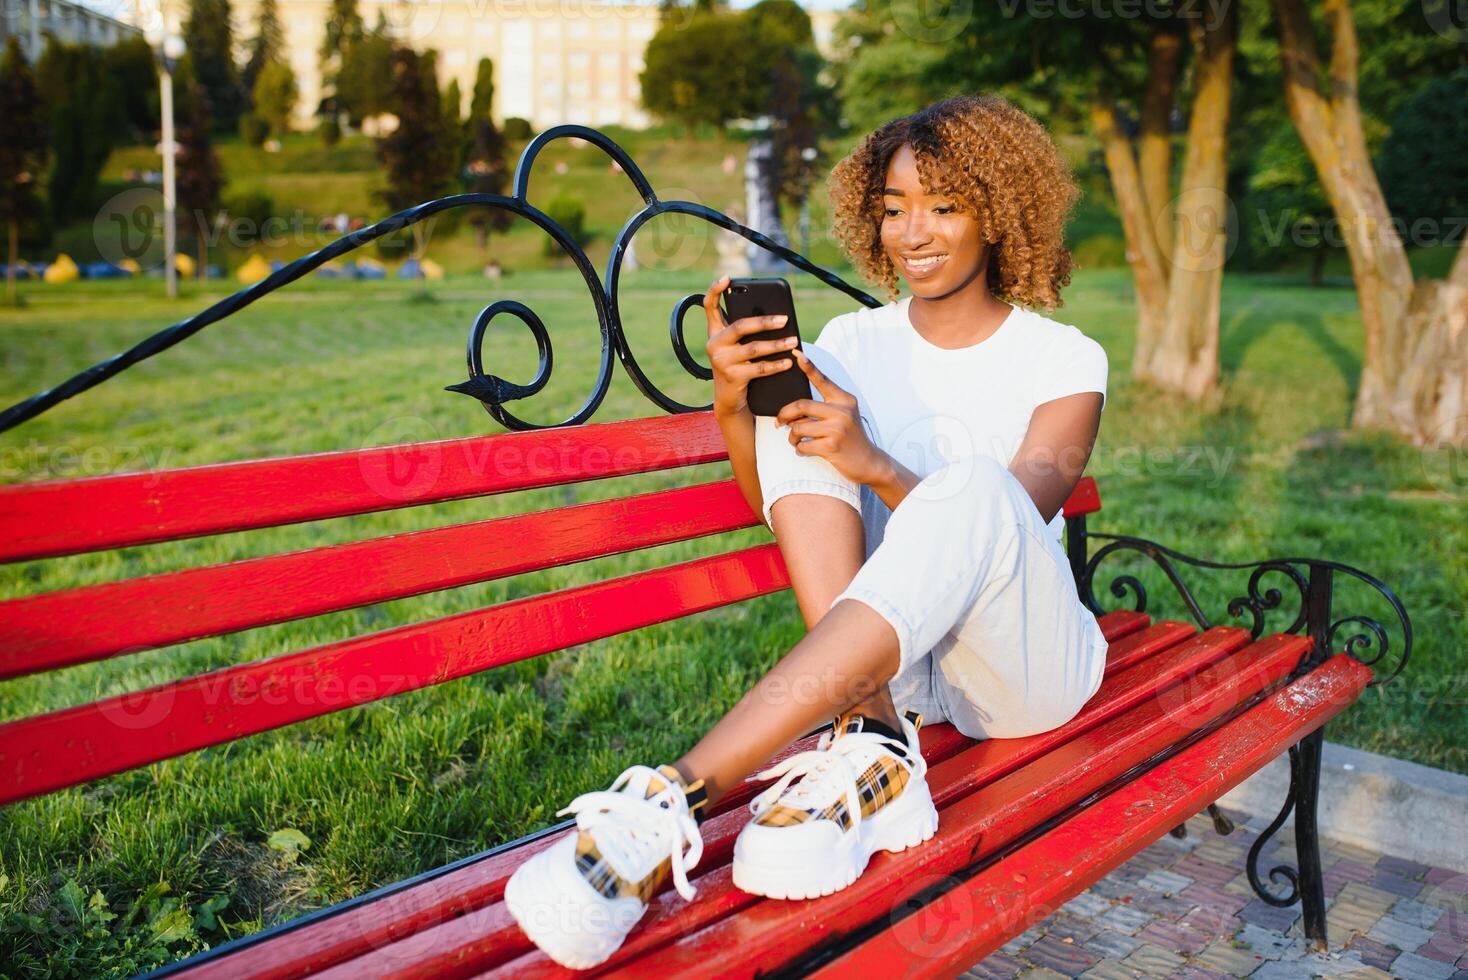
(1184, 908)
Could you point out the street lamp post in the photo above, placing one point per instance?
(169, 49)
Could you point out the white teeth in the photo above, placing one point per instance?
(926, 263)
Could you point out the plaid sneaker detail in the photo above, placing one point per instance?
(603, 877)
(877, 785)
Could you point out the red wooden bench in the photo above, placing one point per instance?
(1026, 823)
(1187, 709)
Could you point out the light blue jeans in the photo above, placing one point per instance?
(991, 633)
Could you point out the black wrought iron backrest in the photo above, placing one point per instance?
(491, 390)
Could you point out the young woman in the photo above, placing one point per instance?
(916, 502)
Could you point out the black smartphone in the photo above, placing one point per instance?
(767, 297)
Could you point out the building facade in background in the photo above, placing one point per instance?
(32, 20)
(555, 60)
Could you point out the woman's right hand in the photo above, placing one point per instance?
(732, 361)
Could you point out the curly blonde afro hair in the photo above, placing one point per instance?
(992, 160)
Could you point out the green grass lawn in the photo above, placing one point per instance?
(153, 864)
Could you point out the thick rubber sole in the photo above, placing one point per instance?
(547, 888)
(906, 822)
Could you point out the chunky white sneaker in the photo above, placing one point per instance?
(859, 792)
(578, 899)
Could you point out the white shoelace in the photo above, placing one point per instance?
(644, 831)
(829, 760)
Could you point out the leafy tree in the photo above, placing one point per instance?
(1289, 215)
(267, 46)
(344, 28)
(200, 178)
(1422, 165)
(23, 150)
(364, 83)
(86, 119)
(209, 38)
(487, 172)
(418, 156)
(276, 95)
(453, 122)
(132, 68)
(708, 71)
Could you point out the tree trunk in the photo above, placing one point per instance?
(1396, 323)
(1186, 357)
(1430, 397)
(1149, 268)
(1154, 145)
(13, 234)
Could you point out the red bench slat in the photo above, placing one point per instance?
(767, 934)
(72, 626)
(976, 918)
(446, 898)
(62, 748)
(64, 517)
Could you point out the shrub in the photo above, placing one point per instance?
(570, 214)
(331, 131)
(517, 128)
(253, 129)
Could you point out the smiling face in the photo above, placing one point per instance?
(932, 244)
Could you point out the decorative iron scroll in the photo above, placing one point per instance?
(1311, 578)
(491, 390)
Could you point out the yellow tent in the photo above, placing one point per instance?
(63, 270)
(132, 267)
(254, 269)
(185, 264)
(431, 269)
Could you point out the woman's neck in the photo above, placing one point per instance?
(964, 317)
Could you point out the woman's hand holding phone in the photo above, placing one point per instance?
(731, 360)
(832, 429)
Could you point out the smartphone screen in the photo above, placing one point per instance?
(767, 297)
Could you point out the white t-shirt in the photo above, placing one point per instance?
(928, 405)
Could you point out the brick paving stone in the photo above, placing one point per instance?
(1153, 961)
(1110, 970)
(995, 966)
(1205, 871)
(1342, 920)
(1213, 921)
(1396, 884)
(1112, 945)
(1453, 880)
(1123, 919)
(1166, 906)
(1403, 867)
(1067, 959)
(1222, 954)
(1410, 966)
(1175, 936)
(1263, 941)
(1445, 947)
(1042, 973)
(1239, 885)
(1065, 926)
(1394, 932)
(1214, 897)
(1355, 853)
(1116, 890)
(1366, 973)
(1267, 916)
(1017, 945)
(1417, 913)
(1087, 905)
(1367, 897)
(1373, 953)
(1195, 972)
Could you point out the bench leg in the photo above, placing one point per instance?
(1307, 884)
(1305, 776)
